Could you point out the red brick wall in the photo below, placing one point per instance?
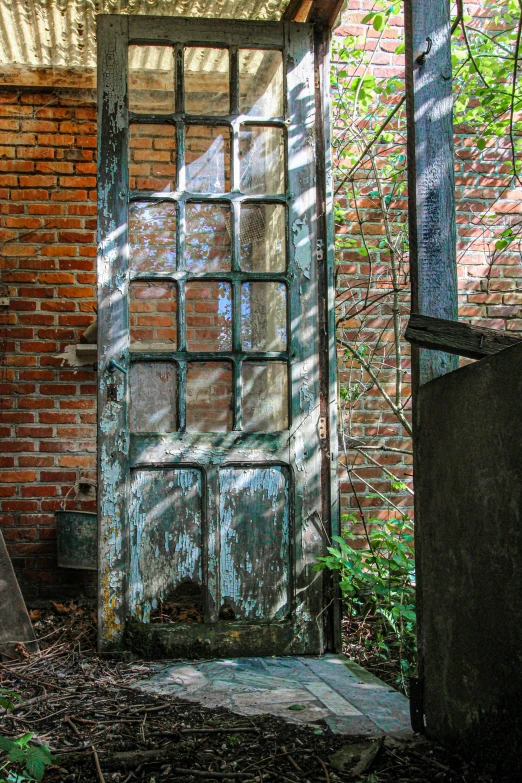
(490, 292)
(47, 253)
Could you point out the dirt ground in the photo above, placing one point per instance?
(82, 705)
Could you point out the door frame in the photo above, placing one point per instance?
(114, 442)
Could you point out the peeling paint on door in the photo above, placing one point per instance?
(165, 535)
(254, 522)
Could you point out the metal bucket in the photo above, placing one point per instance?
(77, 537)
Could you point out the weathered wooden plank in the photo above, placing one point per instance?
(209, 32)
(15, 625)
(328, 347)
(431, 186)
(254, 516)
(87, 350)
(292, 9)
(325, 12)
(90, 335)
(227, 639)
(113, 323)
(456, 337)
(165, 520)
(209, 448)
(304, 341)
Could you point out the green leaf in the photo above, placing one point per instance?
(36, 761)
(6, 744)
(399, 49)
(481, 144)
(296, 707)
(18, 755)
(24, 739)
(378, 22)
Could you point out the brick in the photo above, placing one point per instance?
(58, 475)
(57, 389)
(17, 476)
(37, 181)
(55, 140)
(34, 432)
(69, 195)
(39, 491)
(35, 461)
(47, 417)
(77, 461)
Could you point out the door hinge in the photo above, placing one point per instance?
(323, 429)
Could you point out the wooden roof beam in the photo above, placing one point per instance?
(323, 12)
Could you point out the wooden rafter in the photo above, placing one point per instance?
(323, 12)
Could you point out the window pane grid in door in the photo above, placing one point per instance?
(228, 184)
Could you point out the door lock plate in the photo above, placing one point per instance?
(112, 393)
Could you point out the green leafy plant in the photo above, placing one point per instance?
(21, 761)
(7, 699)
(378, 585)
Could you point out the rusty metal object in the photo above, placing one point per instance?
(77, 537)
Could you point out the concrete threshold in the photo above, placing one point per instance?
(300, 689)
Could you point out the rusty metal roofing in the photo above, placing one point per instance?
(61, 33)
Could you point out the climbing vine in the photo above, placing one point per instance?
(372, 274)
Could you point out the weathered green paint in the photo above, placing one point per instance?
(254, 521)
(113, 323)
(328, 345)
(249, 520)
(165, 516)
(77, 539)
(304, 338)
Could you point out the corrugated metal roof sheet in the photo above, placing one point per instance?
(61, 33)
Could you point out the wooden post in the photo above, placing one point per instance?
(432, 233)
(431, 186)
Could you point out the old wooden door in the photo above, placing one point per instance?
(209, 464)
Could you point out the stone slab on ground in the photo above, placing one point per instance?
(297, 688)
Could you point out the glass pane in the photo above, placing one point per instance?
(207, 81)
(263, 316)
(209, 316)
(152, 238)
(153, 315)
(152, 157)
(207, 159)
(208, 244)
(209, 397)
(265, 397)
(153, 397)
(261, 160)
(151, 79)
(263, 238)
(261, 83)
